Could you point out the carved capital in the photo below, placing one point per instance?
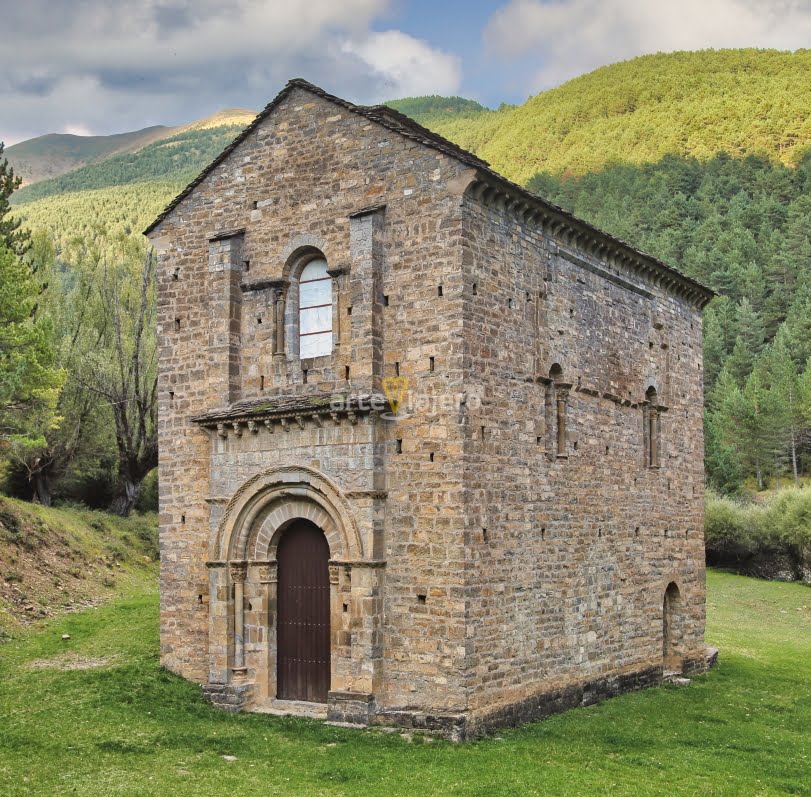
(268, 571)
(238, 571)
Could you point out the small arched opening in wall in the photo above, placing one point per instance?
(672, 628)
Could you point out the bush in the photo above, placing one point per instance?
(770, 538)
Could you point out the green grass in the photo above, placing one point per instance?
(134, 729)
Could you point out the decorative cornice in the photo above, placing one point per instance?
(292, 410)
(492, 190)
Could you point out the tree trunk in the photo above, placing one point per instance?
(759, 477)
(128, 492)
(41, 487)
(794, 459)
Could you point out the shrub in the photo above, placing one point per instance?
(771, 538)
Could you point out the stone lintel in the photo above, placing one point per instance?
(367, 211)
(223, 234)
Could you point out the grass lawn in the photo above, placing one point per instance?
(128, 728)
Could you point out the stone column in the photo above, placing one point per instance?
(269, 579)
(279, 300)
(238, 571)
(561, 397)
(337, 275)
(653, 436)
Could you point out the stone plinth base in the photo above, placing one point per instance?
(355, 708)
(229, 697)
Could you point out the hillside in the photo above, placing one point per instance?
(703, 159)
(57, 153)
(179, 157)
(54, 560)
(433, 111)
(685, 103)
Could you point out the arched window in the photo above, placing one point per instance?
(315, 310)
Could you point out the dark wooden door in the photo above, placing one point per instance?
(302, 651)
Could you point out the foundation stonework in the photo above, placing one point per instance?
(525, 534)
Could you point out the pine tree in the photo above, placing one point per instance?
(12, 235)
(29, 382)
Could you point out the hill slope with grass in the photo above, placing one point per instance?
(55, 560)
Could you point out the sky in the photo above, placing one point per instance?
(93, 67)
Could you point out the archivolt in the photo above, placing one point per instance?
(262, 506)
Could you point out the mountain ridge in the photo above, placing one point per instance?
(55, 154)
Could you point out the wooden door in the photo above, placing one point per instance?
(303, 653)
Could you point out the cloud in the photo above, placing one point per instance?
(569, 37)
(109, 66)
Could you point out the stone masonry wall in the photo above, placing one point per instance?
(301, 182)
(568, 558)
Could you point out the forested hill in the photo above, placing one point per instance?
(686, 103)
(178, 158)
(56, 153)
(703, 159)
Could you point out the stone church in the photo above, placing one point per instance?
(431, 447)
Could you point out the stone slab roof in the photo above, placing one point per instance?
(400, 123)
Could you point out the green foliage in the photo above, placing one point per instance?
(639, 111)
(99, 216)
(29, 382)
(178, 158)
(769, 537)
(434, 110)
(12, 234)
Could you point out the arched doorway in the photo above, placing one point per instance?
(303, 643)
(671, 629)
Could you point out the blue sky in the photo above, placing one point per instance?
(104, 66)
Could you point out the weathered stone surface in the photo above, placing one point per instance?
(502, 549)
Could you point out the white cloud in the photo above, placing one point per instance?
(109, 67)
(569, 37)
(409, 66)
